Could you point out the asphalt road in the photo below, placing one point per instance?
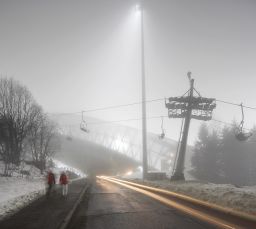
(45, 213)
(115, 207)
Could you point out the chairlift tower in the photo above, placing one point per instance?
(188, 107)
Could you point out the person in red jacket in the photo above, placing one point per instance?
(64, 183)
(50, 182)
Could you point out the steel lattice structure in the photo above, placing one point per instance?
(123, 139)
(127, 140)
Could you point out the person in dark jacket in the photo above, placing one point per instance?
(64, 183)
(50, 182)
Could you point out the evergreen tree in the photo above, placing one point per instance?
(251, 158)
(234, 158)
(224, 159)
(205, 161)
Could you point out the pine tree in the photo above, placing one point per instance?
(234, 157)
(205, 161)
(251, 158)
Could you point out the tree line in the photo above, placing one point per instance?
(26, 132)
(220, 158)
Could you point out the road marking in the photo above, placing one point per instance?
(64, 224)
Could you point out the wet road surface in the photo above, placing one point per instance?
(115, 207)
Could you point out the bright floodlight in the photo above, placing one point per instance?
(138, 8)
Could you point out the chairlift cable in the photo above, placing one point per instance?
(124, 120)
(147, 101)
(122, 105)
(235, 104)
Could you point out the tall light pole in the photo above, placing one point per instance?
(143, 85)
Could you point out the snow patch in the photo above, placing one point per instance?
(16, 193)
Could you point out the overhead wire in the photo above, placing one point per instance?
(122, 105)
(137, 103)
(150, 117)
(126, 120)
(230, 103)
(226, 123)
(138, 119)
(235, 104)
(109, 107)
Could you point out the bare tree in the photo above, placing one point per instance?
(42, 141)
(18, 112)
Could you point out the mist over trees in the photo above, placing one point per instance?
(26, 133)
(220, 158)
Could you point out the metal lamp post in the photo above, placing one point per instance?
(143, 83)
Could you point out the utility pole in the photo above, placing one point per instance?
(188, 107)
(143, 83)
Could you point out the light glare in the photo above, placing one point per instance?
(129, 173)
(138, 8)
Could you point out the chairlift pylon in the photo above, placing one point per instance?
(241, 135)
(162, 135)
(83, 124)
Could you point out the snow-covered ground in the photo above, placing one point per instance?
(17, 191)
(238, 198)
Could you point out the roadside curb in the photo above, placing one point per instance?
(64, 224)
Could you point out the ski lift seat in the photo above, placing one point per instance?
(83, 127)
(241, 136)
(162, 135)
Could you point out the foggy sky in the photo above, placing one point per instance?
(77, 55)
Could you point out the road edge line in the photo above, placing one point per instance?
(64, 224)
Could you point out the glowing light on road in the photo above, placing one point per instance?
(195, 213)
(129, 173)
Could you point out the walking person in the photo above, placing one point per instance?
(64, 184)
(50, 182)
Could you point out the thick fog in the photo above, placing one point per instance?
(86, 56)
(83, 55)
